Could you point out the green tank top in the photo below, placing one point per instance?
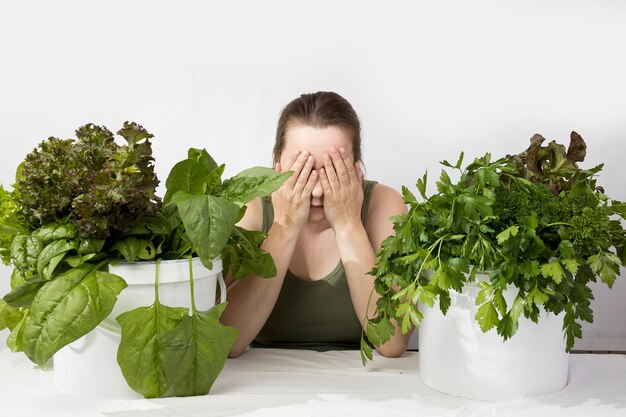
(316, 315)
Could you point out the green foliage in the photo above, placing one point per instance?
(80, 204)
(90, 182)
(196, 351)
(205, 210)
(67, 308)
(535, 220)
(12, 223)
(166, 352)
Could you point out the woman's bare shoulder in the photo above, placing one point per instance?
(385, 199)
(384, 203)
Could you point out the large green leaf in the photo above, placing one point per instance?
(55, 231)
(158, 224)
(51, 255)
(187, 176)
(90, 246)
(68, 307)
(7, 315)
(131, 249)
(140, 355)
(22, 294)
(195, 351)
(24, 252)
(208, 221)
(243, 255)
(15, 341)
(203, 157)
(253, 183)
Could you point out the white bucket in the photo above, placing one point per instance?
(457, 358)
(88, 367)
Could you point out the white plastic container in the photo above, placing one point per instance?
(457, 358)
(88, 367)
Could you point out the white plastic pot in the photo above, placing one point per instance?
(88, 367)
(457, 358)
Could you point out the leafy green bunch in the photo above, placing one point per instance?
(183, 351)
(97, 207)
(90, 182)
(12, 222)
(534, 221)
(199, 216)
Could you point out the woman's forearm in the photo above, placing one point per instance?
(358, 259)
(252, 299)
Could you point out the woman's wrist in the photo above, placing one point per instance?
(280, 230)
(349, 229)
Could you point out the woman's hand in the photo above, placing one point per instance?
(343, 191)
(293, 199)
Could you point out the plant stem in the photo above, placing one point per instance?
(193, 301)
(430, 250)
(156, 281)
(555, 224)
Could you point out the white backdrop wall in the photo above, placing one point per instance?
(428, 79)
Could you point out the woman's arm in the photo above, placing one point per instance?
(252, 299)
(384, 203)
(358, 242)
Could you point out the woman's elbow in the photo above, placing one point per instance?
(392, 351)
(235, 352)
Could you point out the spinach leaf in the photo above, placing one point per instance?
(90, 246)
(22, 295)
(187, 176)
(203, 157)
(140, 355)
(196, 351)
(158, 224)
(166, 352)
(252, 183)
(243, 256)
(55, 231)
(7, 315)
(68, 307)
(76, 260)
(24, 252)
(15, 341)
(133, 249)
(51, 255)
(208, 221)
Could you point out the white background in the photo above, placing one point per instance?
(428, 79)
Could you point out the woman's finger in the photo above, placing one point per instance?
(310, 185)
(303, 174)
(331, 174)
(325, 183)
(289, 161)
(297, 166)
(349, 164)
(340, 166)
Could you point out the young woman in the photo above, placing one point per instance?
(323, 228)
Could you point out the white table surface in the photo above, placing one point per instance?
(292, 383)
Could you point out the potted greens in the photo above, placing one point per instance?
(512, 241)
(80, 206)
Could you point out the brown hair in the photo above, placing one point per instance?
(319, 110)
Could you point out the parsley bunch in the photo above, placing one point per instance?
(534, 221)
